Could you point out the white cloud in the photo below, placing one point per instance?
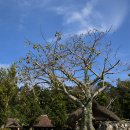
(99, 14)
(79, 16)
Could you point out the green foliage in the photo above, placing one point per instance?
(103, 99)
(58, 109)
(123, 89)
(53, 104)
(121, 94)
(27, 103)
(8, 88)
(28, 107)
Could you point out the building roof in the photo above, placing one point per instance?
(43, 121)
(12, 122)
(100, 113)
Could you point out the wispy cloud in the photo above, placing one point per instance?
(25, 8)
(72, 16)
(97, 14)
(30, 4)
(77, 16)
(22, 20)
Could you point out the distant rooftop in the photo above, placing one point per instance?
(43, 121)
(12, 122)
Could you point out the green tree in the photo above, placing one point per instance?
(28, 106)
(54, 106)
(106, 97)
(58, 109)
(117, 98)
(80, 61)
(8, 89)
(123, 90)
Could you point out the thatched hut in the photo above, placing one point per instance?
(43, 123)
(13, 124)
(100, 113)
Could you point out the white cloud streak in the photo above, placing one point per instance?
(95, 14)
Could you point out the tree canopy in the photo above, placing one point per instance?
(81, 61)
(8, 88)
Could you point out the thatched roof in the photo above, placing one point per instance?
(100, 113)
(12, 122)
(43, 121)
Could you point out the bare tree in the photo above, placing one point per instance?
(79, 61)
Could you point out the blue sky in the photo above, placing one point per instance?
(23, 19)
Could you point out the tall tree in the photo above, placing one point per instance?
(27, 106)
(80, 61)
(54, 105)
(123, 91)
(57, 109)
(8, 88)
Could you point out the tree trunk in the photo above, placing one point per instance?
(86, 123)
